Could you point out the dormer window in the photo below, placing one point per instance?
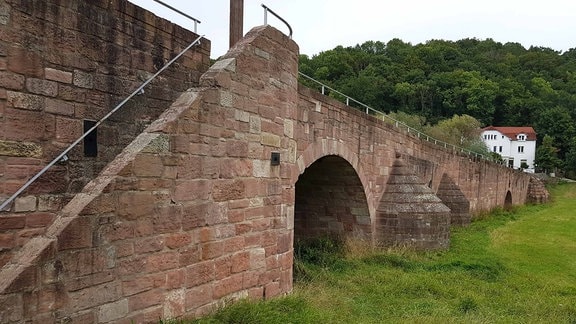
(521, 137)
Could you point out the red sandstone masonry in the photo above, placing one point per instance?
(168, 230)
(79, 59)
(206, 241)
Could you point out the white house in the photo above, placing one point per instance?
(516, 145)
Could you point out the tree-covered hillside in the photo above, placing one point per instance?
(498, 84)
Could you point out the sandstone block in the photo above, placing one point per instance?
(135, 204)
(25, 101)
(145, 300)
(20, 149)
(200, 273)
(198, 296)
(42, 87)
(112, 311)
(228, 190)
(68, 130)
(77, 235)
(212, 250)
(12, 222)
(175, 279)
(11, 81)
(178, 240)
(24, 61)
(39, 219)
(138, 284)
(27, 203)
(174, 303)
(83, 80)
(58, 75)
(59, 107)
(228, 285)
(162, 262)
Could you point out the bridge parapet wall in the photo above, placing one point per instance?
(376, 144)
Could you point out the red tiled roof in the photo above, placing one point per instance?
(512, 132)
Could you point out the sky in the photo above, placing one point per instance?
(322, 25)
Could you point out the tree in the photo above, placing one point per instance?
(557, 123)
(547, 155)
(497, 84)
(463, 131)
(415, 121)
(570, 160)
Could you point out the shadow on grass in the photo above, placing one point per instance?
(486, 269)
(315, 256)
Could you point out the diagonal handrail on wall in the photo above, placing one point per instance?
(62, 155)
(397, 123)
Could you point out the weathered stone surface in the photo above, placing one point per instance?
(20, 149)
(25, 101)
(175, 218)
(113, 311)
(58, 75)
(410, 214)
(454, 199)
(537, 193)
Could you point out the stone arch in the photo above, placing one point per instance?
(330, 195)
(325, 147)
(508, 200)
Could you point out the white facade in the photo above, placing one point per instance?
(516, 145)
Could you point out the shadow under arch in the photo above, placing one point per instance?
(508, 200)
(451, 195)
(330, 201)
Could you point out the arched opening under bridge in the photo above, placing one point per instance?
(330, 201)
(508, 200)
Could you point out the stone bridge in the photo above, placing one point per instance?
(204, 202)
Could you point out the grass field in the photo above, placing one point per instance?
(509, 267)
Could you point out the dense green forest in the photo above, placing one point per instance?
(497, 84)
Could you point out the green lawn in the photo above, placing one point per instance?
(509, 267)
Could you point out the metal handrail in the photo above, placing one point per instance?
(196, 21)
(266, 9)
(399, 124)
(62, 155)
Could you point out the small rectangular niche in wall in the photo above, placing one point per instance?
(275, 158)
(91, 140)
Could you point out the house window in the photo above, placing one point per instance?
(520, 149)
(521, 137)
(494, 149)
(485, 136)
(500, 149)
(502, 136)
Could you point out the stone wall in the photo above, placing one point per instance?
(64, 62)
(194, 211)
(188, 216)
(370, 146)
